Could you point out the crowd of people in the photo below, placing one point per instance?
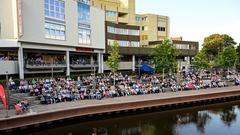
(82, 61)
(40, 61)
(2, 58)
(56, 90)
(21, 106)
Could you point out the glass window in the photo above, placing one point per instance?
(144, 19)
(84, 36)
(84, 28)
(54, 9)
(52, 2)
(46, 12)
(46, 6)
(134, 32)
(54, 31)
(138, 19)
(161, 29)
(162, 20)
(144, 28)
(57, 3)
(134, 44)
(47, 31)
(123, 43)
(83, 13)
(111, 13)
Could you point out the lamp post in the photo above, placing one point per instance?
(52, 67)
(94, 76)
(7, 92)
(139, 65)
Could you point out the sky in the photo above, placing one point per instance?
(196, 19)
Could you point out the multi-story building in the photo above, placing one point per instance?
(68, 36)
(47, 36)
(187, 50)
(152, 27)
(134, 32)
(117, 11)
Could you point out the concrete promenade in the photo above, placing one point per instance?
(46, 113)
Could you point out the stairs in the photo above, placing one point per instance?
(15, 97)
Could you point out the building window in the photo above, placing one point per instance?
(161, 37)
(161, 29)
(54, 31)
(123, 43)
(110, 42)
(162, 20)
(182, 46)
(144, 19)
(83, 12)
(84, 28)
(144, 28)
(138, 19)
(111, 13)
(54, 9)
(84, 36)
(133, 32)
(134, 44)
(84, 1)
(111, 29)
(145, 37)
(122, 31)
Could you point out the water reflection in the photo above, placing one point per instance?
(200, 119)
(221, 120)
(228, 116)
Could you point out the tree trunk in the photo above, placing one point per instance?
(114, 79)
(228, 70)
(163, 73)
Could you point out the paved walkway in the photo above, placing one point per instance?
(85, 103)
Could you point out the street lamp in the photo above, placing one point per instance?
(52, 67)
(139, 65)
(7, 91)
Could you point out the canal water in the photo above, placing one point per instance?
(220, 119)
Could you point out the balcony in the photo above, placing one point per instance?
(84, 65)
(123, 10)
(9, 66)
(122, 66)
(44, 65)
(123, 19)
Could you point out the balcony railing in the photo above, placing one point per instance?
(39, 64)
(84, 64)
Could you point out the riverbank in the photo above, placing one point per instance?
(47, 113)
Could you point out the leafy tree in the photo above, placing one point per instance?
(200, 61)
(228, 41)
(215, 43)
(238, 49)
(238, 52)
(238, 59)
(227, 58)
(164, 57)
(114, 58)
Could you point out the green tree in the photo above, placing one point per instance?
(238, 52)
(238, 59)
(164, 57)
(215, 43)
(200, 61)
(114, 58)
(227, 59)
(238, 49)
